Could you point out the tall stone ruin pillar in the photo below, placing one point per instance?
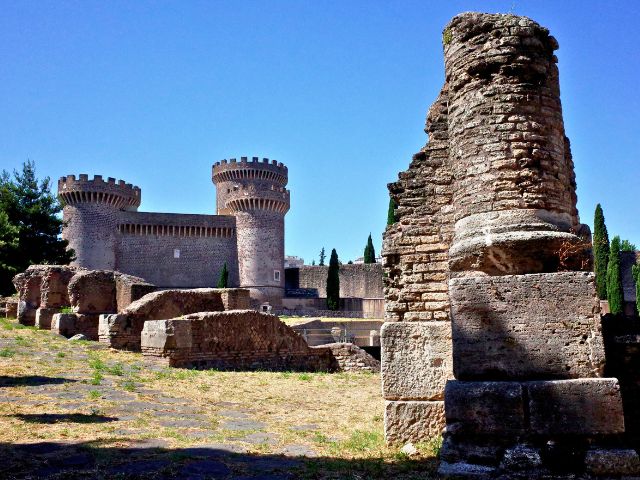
(528, 399)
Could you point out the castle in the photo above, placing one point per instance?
(104, 227)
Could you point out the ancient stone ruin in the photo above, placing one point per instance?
(195, 328)
(479, 286)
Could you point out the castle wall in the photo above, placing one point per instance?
(147, 244)
(356, 281)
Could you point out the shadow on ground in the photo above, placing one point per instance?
(50, 418)
(58, 460)
(32, 381)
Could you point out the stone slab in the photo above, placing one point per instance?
(526, 327)
(615, 461)
(413, 421)
(485, 408)
(416, 360)
(590, 406)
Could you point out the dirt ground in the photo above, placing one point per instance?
(73, 409)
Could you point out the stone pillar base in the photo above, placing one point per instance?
(44, 317)
(532, 429)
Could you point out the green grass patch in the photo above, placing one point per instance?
(22, 341)
(7, 353)
(363, 440)
(305, 377)
(96, 378)
(116, 369)
(94, 394)
(61, 354)
(128, 385)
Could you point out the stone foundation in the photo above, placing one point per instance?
(351, 358)
(70, 324)
(233, 340)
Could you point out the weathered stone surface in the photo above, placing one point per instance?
(474, 451)
(55, 279)
(70, 324)
(465, 470)
(618, 461)
(589, 406)
(351, 358)
(129, 289)
(238, 339)
(416, 360)
(521, 457)
(11, 308)
(526, 326)
(93, 291)
(413, 421)
(123, 330)
(44, 316)
(485, 408)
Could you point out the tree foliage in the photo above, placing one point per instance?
(615, 293)
(627, 246)
(333, 282)
(30, 226)
(600, 252)
(322, 257)
(369, 252)
(223, 281)
(391, 213)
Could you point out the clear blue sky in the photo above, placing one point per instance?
(155, 92)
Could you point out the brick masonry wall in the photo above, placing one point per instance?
(201, 258)
(357, 280)
(240, 339)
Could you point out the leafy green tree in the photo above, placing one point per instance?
(32, 210)
(627, 246)
(369, 252)
(322, 257)
(614, 280)
(635, 270)
(333, 282)
(8, 244)
(600, 252)
(223, 281)
(391, 213)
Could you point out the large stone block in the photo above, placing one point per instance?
(485, 408)
(524, 327)
(589, 406)
(93, 292)
(416, 360)
(70, 324)
(413, 421)
(618, 461)
(44, 316)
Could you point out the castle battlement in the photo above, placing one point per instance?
(117, 193)
(265, 170)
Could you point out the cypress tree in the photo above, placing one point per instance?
(614, 281)
(627, 246)
(600, 252)
(333, 282)
(391, 214)
(223, 282)
(369, 252)
(322, 257)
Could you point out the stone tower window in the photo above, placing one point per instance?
(276, 275)
(176, 253)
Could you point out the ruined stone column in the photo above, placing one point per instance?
(514, 197)
(528, 399)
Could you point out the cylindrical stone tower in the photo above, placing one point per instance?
(254, 192)
(514, 188)
(90, 214)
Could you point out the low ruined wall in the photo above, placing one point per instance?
(357, 280)
(352, 358)
(234, 340)
(123, 330)
(349, 307)
(322, 332)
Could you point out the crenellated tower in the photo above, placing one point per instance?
(91, 214)
(254, 192)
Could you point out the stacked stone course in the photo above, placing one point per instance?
(522, 337)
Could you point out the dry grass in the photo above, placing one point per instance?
(344, 411)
